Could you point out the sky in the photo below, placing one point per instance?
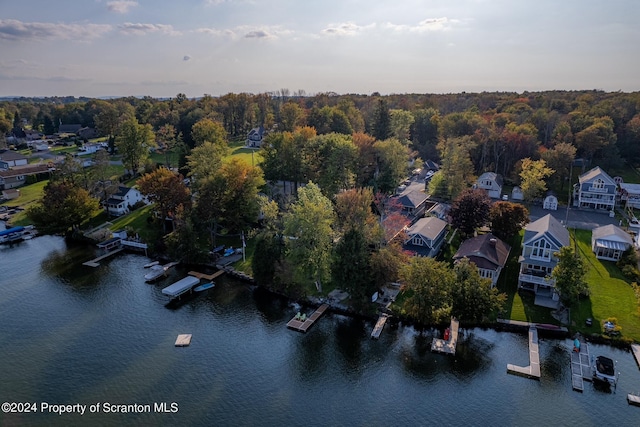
(160, 48)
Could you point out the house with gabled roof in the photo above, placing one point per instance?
(596, 190)
(255, 137)
(630, 194)
(123, 200)
(542, 239)
(492, 183)
(426, 236)
(70, 128)
(17, 176)
(487, 252)
(9, 159)
(609, 242)
(413, 202)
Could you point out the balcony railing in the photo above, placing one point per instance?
(597, 190)
(530, 278)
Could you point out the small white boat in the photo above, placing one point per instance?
(151, 264)
(204, 287)
(155, 272)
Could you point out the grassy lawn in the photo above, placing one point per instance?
(137, 220)
(520, 305)
(611, 294)
(239, 151)
(29, 195)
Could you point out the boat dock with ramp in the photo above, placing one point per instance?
(580, 365)
(304, 323)
(377, 330)
(206, 276)
(635, 349)
(533, 370)
(449, 343)
(96, 261)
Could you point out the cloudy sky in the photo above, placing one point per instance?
(165, 47)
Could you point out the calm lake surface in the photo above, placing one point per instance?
(71, 334)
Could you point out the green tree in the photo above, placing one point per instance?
(381, 121)
(386, 263)
(533, 174)
(507, 219)
(167, 190)
(473, 298)
(560, 158)
(63, 206)
(133, 144)
(392, 164)
(569, 275)
(333, 164)
(207, 130)
(596, 137)
(353, 212)
(456, 167)
(428, 283)
(350, 268)
(205, 160)
(470, 211)
(401, 121)
(308, 226)
(291, 116)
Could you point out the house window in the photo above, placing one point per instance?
(417, 240)
(542, 250)
(598, 184)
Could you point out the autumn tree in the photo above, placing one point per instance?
(166, 136)
(207, 130)
(533, 174)
(470, 211)
(386, 263)
(507, 219)
(366, 159)
(133, 144)
(596, 137)
(205, 160)
(291, 116)
(353, 212)
(63, 206)
(569, 275)
(473, 298)
(428, 283)
(308, 224)
(167, 190)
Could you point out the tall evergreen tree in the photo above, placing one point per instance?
(381, 121)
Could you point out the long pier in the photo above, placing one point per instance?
(95, 262)
(635, 349)
(580, 367)
(533, 370)
(206, 276)
(377, 330)
(447, 346)
(304, 325)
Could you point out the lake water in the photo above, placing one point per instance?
(71, 334)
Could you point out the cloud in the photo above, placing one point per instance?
(186, 58)
(215, 32)
(140, 29)
(14, 30)
(345, 29)
(121, 6)
(427, 25)
(258, 34)
(247, 32)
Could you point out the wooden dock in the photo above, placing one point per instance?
(533, 370)
(206, 276)
(303, 326)
(580, 367)
(96, 261)
(633, 399)
(449, 346)
(635, 349)
(377, 330)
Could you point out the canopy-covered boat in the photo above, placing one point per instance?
(604, 370)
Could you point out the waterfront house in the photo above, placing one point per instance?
(426, 236)
(122, 201)
(596, 190)
(492, 183)
(609, 242)
(17, 176)
(487, 252)
(542, 239)
(629, 195)
(550, 202)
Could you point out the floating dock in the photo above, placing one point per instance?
(580, 367)
(377, 330)
(447, 346)
(303, 326)
(635, 349)
(206, 276)
(96, 261)
(183, 340)
(533, 370)
(633, 399)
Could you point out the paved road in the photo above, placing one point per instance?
(584, 219)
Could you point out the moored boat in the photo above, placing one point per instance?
(204, 287)
(604, 371)
(155, 272)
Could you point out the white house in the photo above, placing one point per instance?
(9, 159)
(426, 236)
(596, 190)
(630, 195)
(609, 242)
(542, 238)
(487, 252)
(550, 202)
(122, 201)
(492, 182)
(516, 194)
(255, 137)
